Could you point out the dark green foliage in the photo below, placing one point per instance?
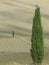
(37, 47)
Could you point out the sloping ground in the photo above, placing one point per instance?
(14, 45)
(18, 50)
(21, 58)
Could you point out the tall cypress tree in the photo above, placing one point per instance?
(37, 46)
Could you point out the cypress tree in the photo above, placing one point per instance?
(13, 33)
(37, 46)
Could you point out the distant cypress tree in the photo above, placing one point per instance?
(37, 46)
(13, 33)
